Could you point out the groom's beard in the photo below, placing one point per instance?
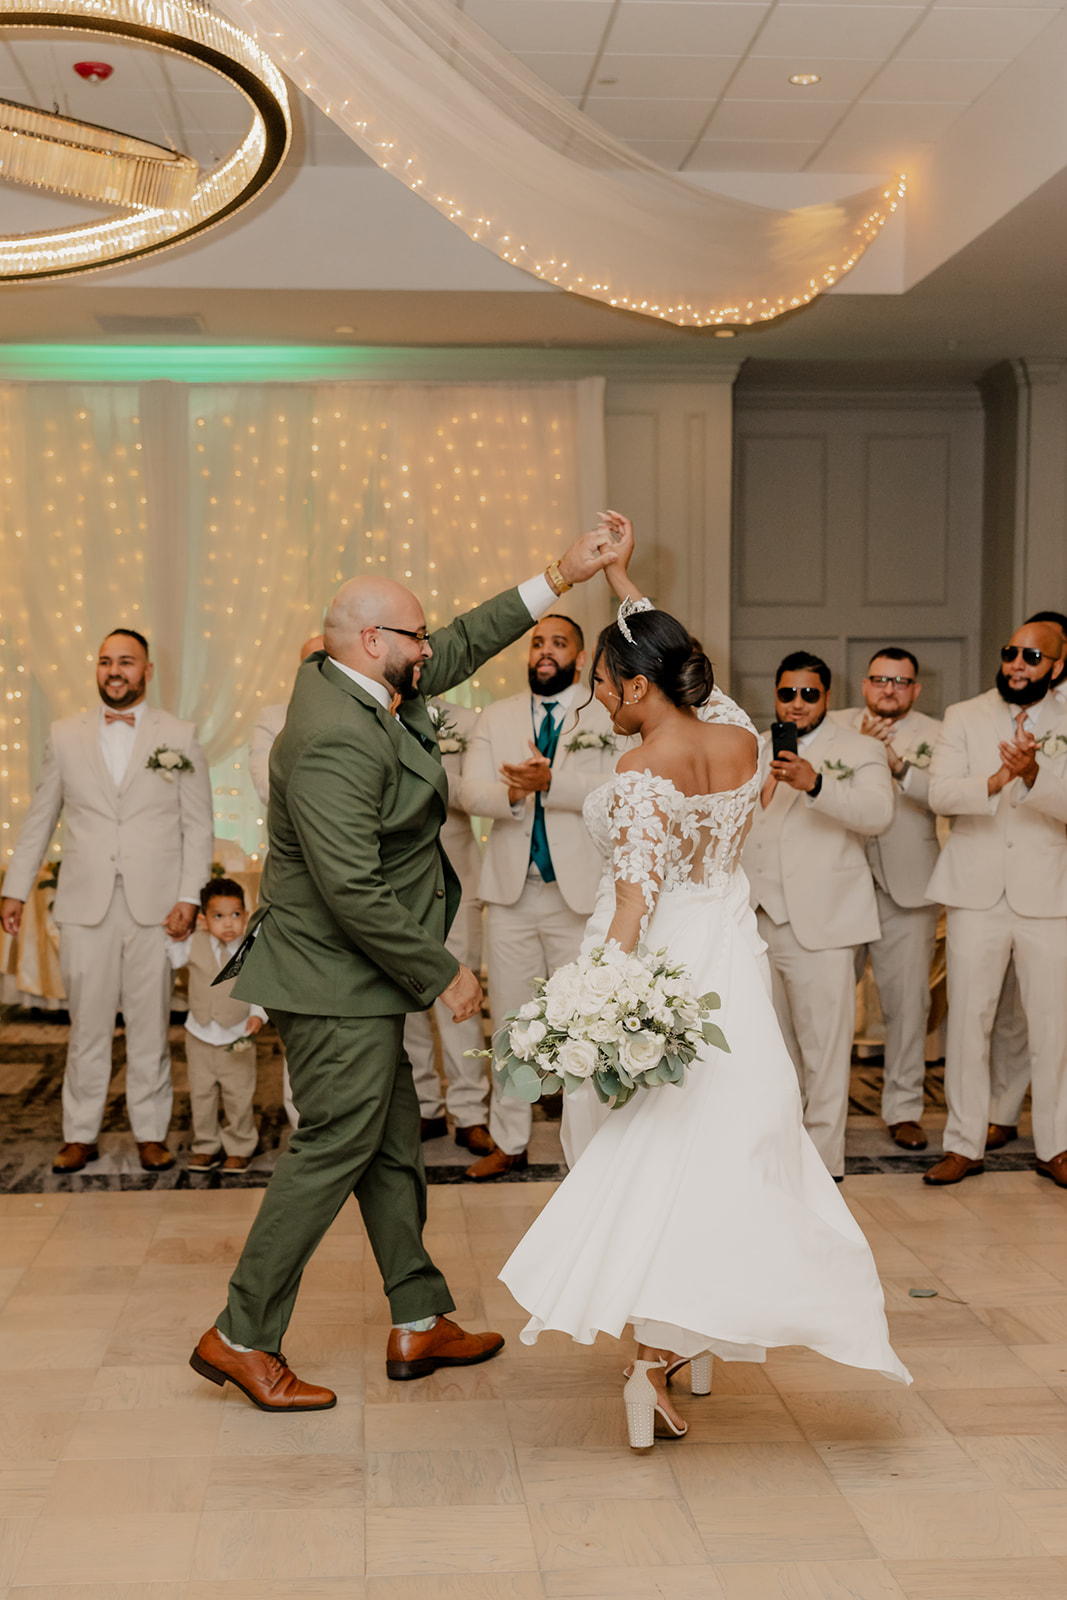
(561, 679)
(400, 676)
(1029, 695)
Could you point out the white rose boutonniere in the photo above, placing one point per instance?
(1052, 744)
(921, 756)
(168, 762)
(450, 741)
(837, 769)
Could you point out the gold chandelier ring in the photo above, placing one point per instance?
(185, 30)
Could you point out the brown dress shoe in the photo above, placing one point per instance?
(204, 1161)
(72, 1157)
(1055, 1168)
(155, 1157)
(236, 1163)
(263, 1377)
(434, 1127)
(416, 1355)
(496, 1165)
(476, 1138)
(908, 1135)
(999, 1135)
(953, 1168)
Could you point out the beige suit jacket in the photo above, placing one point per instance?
(813, 851)
(1014, 844)
(269, 724)
(155, 833)
(903, 857)
(457, 835)
(503, 736)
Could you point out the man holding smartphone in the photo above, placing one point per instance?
(825, 791)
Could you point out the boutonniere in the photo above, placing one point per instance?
(1052, 744)
(590, 741)
(837, 769)
(449, 739)
(239, 1046)
(921, 756)
(168, 762)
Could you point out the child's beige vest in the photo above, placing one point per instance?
(208, 1004)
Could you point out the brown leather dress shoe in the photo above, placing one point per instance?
(416, 1355)
(72, 1157)
(476, 1138)
(908, 1135)
(1055, 1168)
(236, 1163)
(434, 1127)
(155, 1157)
(497, 1164)
(263, 1377)
(953, 1168)
(999, 1135)
(204, 1160)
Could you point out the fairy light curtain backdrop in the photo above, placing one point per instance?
(218, 519)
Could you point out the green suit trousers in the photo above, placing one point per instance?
(359, 1134)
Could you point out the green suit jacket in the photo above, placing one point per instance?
(357, 894)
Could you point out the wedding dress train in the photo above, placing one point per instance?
(701, 1214)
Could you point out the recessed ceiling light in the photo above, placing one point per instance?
(725, 333)
(344, 328)
(804, 80)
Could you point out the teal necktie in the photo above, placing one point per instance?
(547, 740)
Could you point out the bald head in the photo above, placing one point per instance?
(367, 626)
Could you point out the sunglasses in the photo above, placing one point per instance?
(420, 637)
(1029, 652)
(788, 694)
(899, 683)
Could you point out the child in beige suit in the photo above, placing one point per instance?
(219, 1034)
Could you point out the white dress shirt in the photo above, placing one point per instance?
(117, 739)
(211, 1032)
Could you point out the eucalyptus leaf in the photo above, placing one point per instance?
(714, 1036)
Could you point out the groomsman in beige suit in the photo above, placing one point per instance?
(812, 888)
(901, 860)
(1000, 772)
(466, 1078)
(133, 783)
(533, 760)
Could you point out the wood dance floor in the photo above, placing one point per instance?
(125, 1477)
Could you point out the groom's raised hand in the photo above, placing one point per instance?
(463, 997)
(586, 557)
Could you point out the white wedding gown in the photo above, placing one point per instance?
(701, 1214)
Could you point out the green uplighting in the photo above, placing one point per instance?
(216, 363)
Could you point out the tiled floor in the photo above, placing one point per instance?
(124, 1477)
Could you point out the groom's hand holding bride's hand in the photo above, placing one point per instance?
(586, 557)
(463, 997)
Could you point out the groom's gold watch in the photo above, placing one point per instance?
(556, 579)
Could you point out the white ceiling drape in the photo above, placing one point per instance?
(444, 109)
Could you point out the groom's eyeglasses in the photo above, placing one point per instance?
(420, 637)
(1029, 652)
(788, 694)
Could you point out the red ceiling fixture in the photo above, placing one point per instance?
(93, 71)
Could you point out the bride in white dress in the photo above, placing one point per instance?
(701, 1214)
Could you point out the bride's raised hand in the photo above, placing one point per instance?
(620, 535)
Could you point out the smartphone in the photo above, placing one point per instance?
(783, 737)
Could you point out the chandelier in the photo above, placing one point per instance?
(162, 196)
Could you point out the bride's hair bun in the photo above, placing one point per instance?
(661, 650)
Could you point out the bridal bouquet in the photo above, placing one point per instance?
(622, 1022)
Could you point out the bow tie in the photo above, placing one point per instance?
(120, 716)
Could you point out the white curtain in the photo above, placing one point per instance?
(219, 519)
(459, 120)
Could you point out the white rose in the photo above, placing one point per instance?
(640, 1052)
(598, 985)
(450, 747)
(535, 1032)
(558, 1011)
(520, 1043)
(529, 1010)
(169, 759)
(579, 1057)
(604, 1030)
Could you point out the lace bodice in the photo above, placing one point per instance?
(655, 837)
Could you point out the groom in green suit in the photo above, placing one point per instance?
(357, 899)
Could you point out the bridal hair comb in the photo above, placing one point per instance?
(627, 608)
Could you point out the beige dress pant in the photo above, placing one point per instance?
(1009, 1056)
(526, 941)
(215, 1074)
(901, 961)
(118, 965)
(814, 993)
(466, 1077)
(979, 946)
